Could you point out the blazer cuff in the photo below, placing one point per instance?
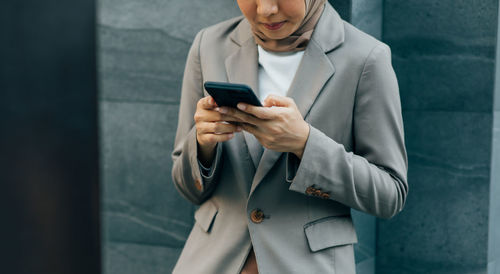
(208, 173)
(205, 171)
(292, 164)
(302, 173)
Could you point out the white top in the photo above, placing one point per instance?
(276, 71)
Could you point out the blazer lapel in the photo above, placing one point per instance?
(312, 74)
(314, 71)
(242, 68)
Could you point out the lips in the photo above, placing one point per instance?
(274, 26)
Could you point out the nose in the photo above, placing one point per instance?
(267, 8)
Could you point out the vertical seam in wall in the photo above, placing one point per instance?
(382, 23)
(492, 245)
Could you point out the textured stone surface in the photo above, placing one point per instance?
(364, 250)
(343, 7)
(443, 52)
(443, 228)
(444, 56)
(128, 258)
(140, 204)
(141, 65)
(447, 82)
(367, 16)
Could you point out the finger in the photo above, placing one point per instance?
(214, 138)
(259, 112)
(217, 128)
(221, 128)
(278, 101)
(207, 102)
(207, 115)
(251, 129)
(238, 115)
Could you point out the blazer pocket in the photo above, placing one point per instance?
(330, 231)
(205, 215)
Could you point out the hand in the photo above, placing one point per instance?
(211, 128)
(278, 125)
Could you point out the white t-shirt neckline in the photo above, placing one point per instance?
(276, 71)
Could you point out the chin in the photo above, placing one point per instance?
(275, 35)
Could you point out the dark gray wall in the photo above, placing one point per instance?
(444, 56)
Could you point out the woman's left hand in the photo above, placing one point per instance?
(278, 125)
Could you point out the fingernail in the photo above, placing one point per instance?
(223, 110)
(217, 109)
(241, 106)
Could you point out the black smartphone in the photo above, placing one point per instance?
(228, 94)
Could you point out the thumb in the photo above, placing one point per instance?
(277, 101)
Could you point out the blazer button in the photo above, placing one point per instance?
(257, 216)
(325, 195)
(310, 190)
(198, 185)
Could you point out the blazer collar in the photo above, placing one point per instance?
(328, 33)
(313, 73)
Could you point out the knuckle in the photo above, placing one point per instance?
(218, 127)
(197, 117)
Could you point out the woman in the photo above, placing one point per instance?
(276, 183)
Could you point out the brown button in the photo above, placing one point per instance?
(325, 195)
(257, 216)
(198, 185)
(310, 190)
(317, 192)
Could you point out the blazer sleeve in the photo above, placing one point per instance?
(372, 178)
(193, 184)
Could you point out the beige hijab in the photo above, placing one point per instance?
(298, 40)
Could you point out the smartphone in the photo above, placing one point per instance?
(228, 94)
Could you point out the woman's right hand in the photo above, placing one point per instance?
(211, 128)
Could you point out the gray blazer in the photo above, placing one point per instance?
(295, 213)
